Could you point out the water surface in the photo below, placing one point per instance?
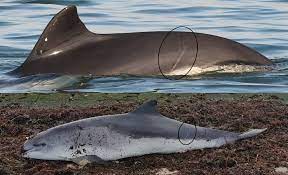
(260, 24)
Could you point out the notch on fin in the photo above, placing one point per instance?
(63, 26)
(147, 107)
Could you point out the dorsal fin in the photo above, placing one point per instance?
(147, 107)
(63, 26)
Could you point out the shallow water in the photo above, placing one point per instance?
(261, 24)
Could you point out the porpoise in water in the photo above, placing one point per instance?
(111, 137)
(66, 46)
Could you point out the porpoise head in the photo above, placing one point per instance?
(48, 145)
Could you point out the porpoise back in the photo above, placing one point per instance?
(67, 47)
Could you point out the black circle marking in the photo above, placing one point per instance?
(193, 137)
(159, 50)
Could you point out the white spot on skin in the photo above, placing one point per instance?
(55, 52)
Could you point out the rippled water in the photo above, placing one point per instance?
(260, 24)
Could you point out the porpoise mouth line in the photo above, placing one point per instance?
(26, 151)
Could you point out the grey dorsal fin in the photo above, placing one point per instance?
(147, 107)
(63, 26)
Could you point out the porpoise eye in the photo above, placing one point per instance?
(39, 144)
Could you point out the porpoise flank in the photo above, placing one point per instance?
(66, 46)
(112, 137)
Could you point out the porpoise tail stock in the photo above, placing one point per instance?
(66, 46)
(111, 137)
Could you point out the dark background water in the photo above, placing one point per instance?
(260, 24)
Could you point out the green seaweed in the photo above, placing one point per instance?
(90, 99)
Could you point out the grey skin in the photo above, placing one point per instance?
(67, 47)
(112, 137)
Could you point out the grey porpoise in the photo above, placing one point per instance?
(67, 47)
(112, 137)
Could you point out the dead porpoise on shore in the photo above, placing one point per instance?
(112, 137)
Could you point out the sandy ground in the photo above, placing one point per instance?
(22, 115)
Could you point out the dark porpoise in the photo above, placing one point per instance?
(67, 47)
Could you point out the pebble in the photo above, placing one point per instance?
(282, 169)
(165, 171)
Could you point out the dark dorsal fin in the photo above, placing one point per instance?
(64, 25)
(148, 107)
